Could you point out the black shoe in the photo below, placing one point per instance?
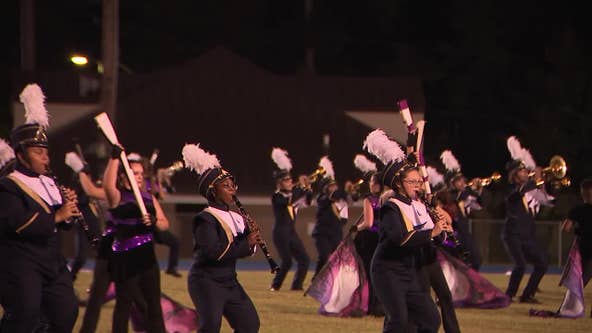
(173, 272)
(297, 288)
(529, 300)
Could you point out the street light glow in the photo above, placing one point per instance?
(79, 60)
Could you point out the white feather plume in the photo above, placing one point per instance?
(281, 159)
(6, 153)
(450, 162)
(199, 160)
(74, 162)
(326, 163)
(134, 157)
(527, 159)
(519, 153)
(34, 100)
(386, 150)
(363, 164)
(515, 148)
(434, 177)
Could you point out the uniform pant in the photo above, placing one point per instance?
(143, 291)
(325, 244)
(522, 249)
(468, 244)
(32, 295)
(289, 246)
(431, 276)
(213, 300)
(98, 289)
(404, 301)
(169, 239)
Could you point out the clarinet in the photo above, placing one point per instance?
(93, 240)
(254, 227)
(433, 212)
(462, 252)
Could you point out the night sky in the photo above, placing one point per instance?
(489, 68)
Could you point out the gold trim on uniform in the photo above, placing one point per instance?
(30, 193)
(22, 227)
(226, 228)
(291, 211)
(407, 237)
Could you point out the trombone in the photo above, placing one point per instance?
(495, 177)
(555, 174)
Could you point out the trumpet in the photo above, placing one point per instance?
(164, 175)
(495, 177)
(319, 172)
(310, 179)
(554, 174)
(355, 187)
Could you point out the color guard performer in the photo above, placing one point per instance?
(133, 265)
(367, 230)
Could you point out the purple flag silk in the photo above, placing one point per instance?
(573, 301)
(177, 317)
(571, 278)
(468, 287)
(341, 286)
(110, 295)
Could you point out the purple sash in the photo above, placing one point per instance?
(130, 243)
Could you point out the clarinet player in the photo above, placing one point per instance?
(220, 237)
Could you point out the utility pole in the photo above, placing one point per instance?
(27, 23)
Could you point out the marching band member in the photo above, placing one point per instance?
(522, 204)
(35, 283)
(466, 200)
(220, 237)
(286, 201)
(395, 261)
(332, 213)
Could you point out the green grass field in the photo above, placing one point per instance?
(289, 311)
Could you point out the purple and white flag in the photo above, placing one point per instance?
(573, 301)
(341, 286)
(468, 287)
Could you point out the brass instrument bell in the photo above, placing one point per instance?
(495, 177)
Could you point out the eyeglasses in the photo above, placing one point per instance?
(413, 181)
(229, 186)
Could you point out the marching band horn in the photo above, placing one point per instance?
(496, 176)
(319, 172)
(555, 173)
(176, 166)
(355, 187)
(164, 175)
